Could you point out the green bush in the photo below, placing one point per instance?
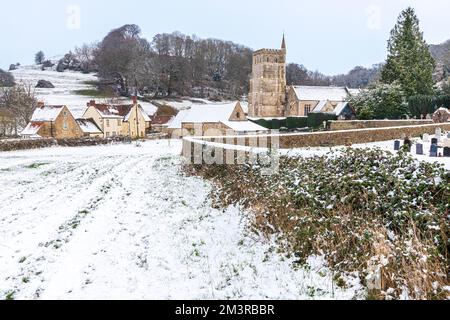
(315, 120)
(422, 105)
(297, 123)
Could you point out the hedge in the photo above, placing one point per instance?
(315, 120)
(421, 105)
(277, 124)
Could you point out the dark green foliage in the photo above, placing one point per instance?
(382, 101)
(409, 61)
(316, 120)
(422, 105)
(297, 123)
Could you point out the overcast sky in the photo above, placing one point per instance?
(331, 36)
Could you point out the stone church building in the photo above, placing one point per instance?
(270, 97)
(267, 96)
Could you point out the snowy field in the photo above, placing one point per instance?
(122, 222)
(66, 83)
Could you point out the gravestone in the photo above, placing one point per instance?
(407, 145)
(426, 138)
(434, 141)
(434, 150)
(448, 135)
(438, 135)
(419, 149)
(446, 152)
(396, 145)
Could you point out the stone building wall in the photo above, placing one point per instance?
(366, 124)
(267, 96)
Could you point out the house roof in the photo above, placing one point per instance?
(244, 126)
(46, 113)
(88, 126)
(210, 113)
(340, 107)
(161, 120)
(118, 111)
(32, 129)
(316, 93)
(176, 123)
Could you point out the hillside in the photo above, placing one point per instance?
(441, 53)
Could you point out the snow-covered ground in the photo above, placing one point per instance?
(66, 83)
(122, 222)
(384, 145)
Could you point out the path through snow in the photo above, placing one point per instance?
(121, 222)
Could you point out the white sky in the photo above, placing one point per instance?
(331, 36)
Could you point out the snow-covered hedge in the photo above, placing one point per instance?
(382, 215)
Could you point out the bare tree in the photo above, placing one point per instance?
(20, 101)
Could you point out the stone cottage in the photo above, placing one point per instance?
(119, 120)
(214, 119)
(52, 122)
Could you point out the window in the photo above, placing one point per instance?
(238, 115)
(307, 109)
(107, 134)
(65, 125)
(107, 123)
(119, 122)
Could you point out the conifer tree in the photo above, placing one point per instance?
(409, 61)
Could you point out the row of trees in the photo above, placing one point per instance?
(358, 77)
(171, 64)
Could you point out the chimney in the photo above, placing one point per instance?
(40, 104)
(135, 101)
(91, 103)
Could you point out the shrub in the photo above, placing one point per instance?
(316, 120)
(297, 122)
(380, 102)
(420, 106)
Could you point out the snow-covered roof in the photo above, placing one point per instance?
(31, 129)
(337, 110)
(46, 113)
(340, 108)
(243, 126)
(176, 122)
(443, 110)
(88, 126)
(313, 93)
(320, 106)
(210, 113)
(141, 110)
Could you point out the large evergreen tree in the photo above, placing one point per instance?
(409, 60)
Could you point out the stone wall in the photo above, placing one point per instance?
(366, 124)
(321, 139)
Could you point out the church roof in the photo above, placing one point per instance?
(316, 93)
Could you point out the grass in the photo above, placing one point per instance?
(36, 165)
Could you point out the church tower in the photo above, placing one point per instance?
(267, 96)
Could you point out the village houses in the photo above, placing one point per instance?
(119, 120)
